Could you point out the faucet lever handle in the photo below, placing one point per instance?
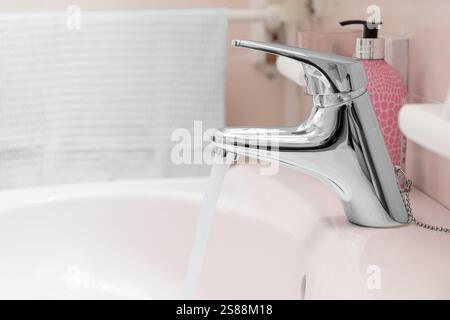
(324, 73)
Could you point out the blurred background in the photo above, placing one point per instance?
(256, 94)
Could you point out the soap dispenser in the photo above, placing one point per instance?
(385, 86)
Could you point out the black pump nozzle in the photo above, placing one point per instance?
(370, 28)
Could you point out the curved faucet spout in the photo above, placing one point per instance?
(341, 142)
(319, 132)
(340, 145)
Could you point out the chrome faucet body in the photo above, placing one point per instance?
(341, 143)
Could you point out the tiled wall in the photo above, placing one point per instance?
(427, 25)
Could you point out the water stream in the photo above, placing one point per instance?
(214, 186)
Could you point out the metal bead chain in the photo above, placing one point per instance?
(405, 194)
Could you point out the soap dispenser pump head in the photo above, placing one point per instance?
(370, 28)
(369, 46)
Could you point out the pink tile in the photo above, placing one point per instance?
(427, 26)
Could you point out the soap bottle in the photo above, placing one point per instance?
(385, 86)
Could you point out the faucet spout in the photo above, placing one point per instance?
(341, 143)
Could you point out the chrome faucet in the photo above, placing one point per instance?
(341, 142)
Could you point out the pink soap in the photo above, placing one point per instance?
(388, 93)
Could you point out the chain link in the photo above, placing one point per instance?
(405, 190)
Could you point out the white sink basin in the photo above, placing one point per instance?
(275, 237)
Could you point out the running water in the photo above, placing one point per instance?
(216, 179)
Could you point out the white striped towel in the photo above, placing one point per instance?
(100, 102)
